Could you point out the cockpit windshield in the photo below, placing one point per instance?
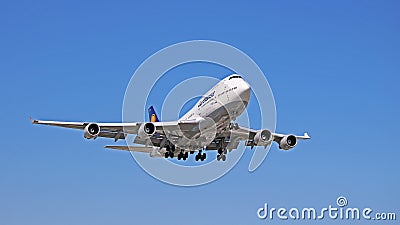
(234, 76)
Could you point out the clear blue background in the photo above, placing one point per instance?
(333, 67)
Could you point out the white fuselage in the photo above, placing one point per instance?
(223, 103)
(232, 94)
(213, 113)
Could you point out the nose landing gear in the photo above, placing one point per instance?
(233, 126)
(221, 154)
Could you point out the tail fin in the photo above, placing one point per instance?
(152, 115)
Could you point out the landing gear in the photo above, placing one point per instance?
(221, 154)
(183, 155)
(170, 151)
(169, 154)
(200, 156)
(233, 126)
(221, 157)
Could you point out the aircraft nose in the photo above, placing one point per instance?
(244, 91)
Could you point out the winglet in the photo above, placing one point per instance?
(305, 136)
(33, 121)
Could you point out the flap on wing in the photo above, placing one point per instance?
(114, 135)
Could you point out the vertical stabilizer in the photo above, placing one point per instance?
(152, 115)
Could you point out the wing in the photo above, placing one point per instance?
(227, 138)
(121, 130)
(231, 138)
(108, 130)
(277, 137)
(285, 141)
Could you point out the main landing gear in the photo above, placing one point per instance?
(183, 155)
(170, 151)
(200, 156)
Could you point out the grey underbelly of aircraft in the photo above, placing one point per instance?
(201, 135)
(229, 111)
(215, 122)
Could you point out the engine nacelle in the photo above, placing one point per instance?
(92, 130)
(263, 138)
(146, 130)
(288, 142)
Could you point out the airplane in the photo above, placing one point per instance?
(209, 125)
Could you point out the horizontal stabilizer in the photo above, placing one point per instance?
(130, 148)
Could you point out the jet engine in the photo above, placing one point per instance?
(92, 130)
(146, 130)
(288, 142)
(263, 138)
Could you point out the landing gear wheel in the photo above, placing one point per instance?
(200, 156)
(186, 155)
(166, 154)
(181, 155)
(171, 154)
(223, 157)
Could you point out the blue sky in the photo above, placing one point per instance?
(333, 68)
